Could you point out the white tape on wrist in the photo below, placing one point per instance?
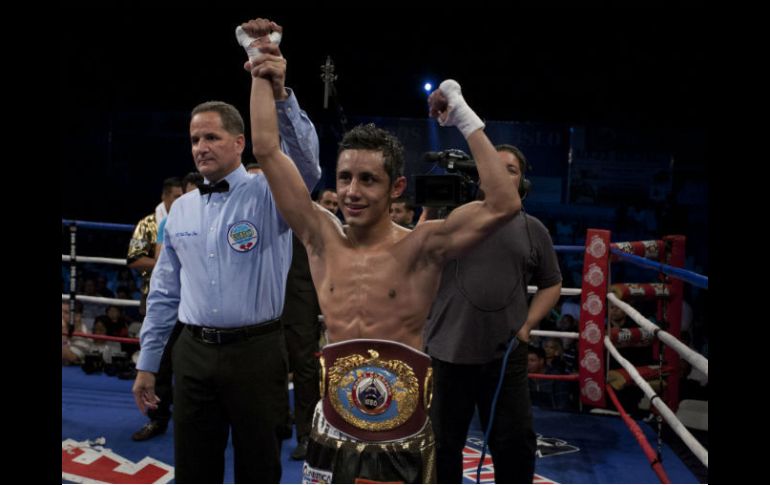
(246, 40)
(459, 114)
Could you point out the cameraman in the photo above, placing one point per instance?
(469, 328)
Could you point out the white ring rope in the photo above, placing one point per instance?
(92, 259)
(550, 333)
(694, 358)
(665, 411)
(100, 299)
(564, 291)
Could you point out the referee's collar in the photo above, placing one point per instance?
(235, 178)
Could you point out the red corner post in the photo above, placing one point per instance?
(593, 309)
(670, 312)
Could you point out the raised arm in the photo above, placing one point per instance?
(470, 223)
(291, 195)
(299, 139)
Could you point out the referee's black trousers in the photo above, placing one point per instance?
(218, 387)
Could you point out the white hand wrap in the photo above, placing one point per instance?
(246, 40)
(459, 114)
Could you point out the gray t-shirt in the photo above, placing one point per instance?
(482, 299)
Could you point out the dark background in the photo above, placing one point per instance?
(129, 77)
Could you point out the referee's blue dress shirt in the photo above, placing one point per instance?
(226, 255)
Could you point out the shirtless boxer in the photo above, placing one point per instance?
(375, 281)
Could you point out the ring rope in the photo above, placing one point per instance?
(564, 291)
(103, 300)
(98, 225)
(685, 275)
(655, 462)
(698, 450)
(92, 259)
(555, 377)
(553, 333)
(109, 338)
(569, 249)
(694, 358)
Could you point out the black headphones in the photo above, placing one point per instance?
(524, 186)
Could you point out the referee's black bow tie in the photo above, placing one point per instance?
(221, 186)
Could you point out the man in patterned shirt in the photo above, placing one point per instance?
(141, 249)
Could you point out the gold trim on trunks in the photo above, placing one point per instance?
(427, 397)
(405, 389)
(322, 384)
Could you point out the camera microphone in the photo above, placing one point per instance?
(463, 165)
(433, 157)
(452, 159)
(451, 154)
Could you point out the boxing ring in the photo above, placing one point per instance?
(667, 257)
(603, 445)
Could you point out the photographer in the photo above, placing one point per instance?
(472, 323)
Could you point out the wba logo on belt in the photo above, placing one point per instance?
(375, 390)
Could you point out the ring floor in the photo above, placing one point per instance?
(574, 447)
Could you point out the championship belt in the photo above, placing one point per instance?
(375, 390)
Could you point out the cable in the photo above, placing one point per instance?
(513, 342)
(512, 345)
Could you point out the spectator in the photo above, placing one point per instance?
(402, 212)
(191, 181)
(73, 349)
(327, 198)
(141, 251)
(546, 393)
